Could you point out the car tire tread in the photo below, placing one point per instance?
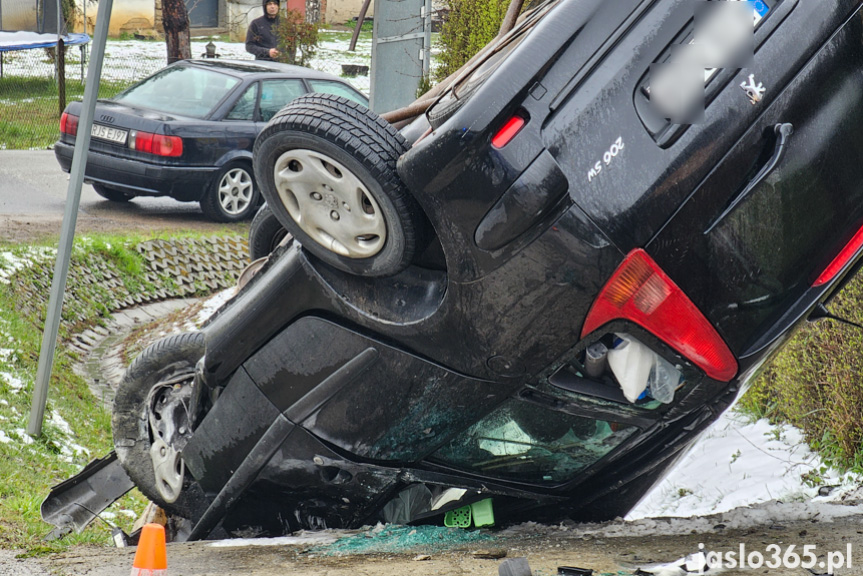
(171, 355)
(372, 141)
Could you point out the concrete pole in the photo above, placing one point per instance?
(70, 217)
(427, 40)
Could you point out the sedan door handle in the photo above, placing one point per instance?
(783, 133)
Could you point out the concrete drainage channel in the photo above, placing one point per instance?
(177, 270)
(103, 347)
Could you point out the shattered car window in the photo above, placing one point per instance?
(529, 443)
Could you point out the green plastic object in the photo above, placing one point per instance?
(458, 518)
(482, 512)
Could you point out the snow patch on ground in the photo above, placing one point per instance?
(14, 383)
(738, 463)
(13, 262)
(302, 538)
(211, 306)
(69, 451)
(765, 514)
(23, 437)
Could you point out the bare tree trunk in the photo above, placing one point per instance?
(175, 20)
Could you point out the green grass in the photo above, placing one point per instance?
(30, 110)
(30, 467)
(816, 384)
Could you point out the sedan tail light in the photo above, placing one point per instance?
(158, 144)
(639, 291)
(69, 124)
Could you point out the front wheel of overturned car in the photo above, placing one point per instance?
(151, 420)
(233, 195)
(327, 169)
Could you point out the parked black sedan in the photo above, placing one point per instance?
(187, 132)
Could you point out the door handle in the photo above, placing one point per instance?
(783, 133)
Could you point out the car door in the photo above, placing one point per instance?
(241, 123)
(276, 93)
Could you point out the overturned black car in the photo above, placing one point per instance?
(541, 292)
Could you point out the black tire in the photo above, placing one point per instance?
(350, 136)
(170, 357)
(449, 104)
(233, 195)
(112, 194)
(265, 233)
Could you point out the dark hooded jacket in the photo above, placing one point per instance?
(263, 35)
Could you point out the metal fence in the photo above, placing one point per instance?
(31, 93)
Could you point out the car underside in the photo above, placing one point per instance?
(542, 301)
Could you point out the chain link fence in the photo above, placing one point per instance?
(31, 94)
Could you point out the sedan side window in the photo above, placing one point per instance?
(244, 109)
(276, 93)
(339, 89)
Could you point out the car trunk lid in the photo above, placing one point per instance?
(629, 174)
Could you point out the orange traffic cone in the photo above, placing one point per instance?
(150, 557)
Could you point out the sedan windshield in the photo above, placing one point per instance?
(182, 90)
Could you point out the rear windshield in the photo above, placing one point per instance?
(182, 90)
(529, 443)
(339, 89)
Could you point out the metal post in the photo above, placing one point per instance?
(427, 40)
(57, 51)
(61, 76)
(67, 232)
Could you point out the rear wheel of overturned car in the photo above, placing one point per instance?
(151, 420)
(112, 194)
(327, 169)
(233, 196)
(265, 233)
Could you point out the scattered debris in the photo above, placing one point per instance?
(695, 563)
(422, 558)
(394, 539)
(514, 567)
(573, 571)
(489, 553)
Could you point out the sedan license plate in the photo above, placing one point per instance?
(110, 134)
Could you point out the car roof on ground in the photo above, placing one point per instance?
(247, 67)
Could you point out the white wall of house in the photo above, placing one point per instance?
(239, 14)
(343, 11)
(128, 16)
(131, 16)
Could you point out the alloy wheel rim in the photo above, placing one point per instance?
(235, 191)
(330, 203)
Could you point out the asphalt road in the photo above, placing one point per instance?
(33, 192)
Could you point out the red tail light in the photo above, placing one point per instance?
(639, 291)
(157, 144)
(508, 132)
(69, 124)
(845, 255)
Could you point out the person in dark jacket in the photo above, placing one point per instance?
(262, 36)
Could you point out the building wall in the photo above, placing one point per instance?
(127, 16)
(343, 11)
(239, 14)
